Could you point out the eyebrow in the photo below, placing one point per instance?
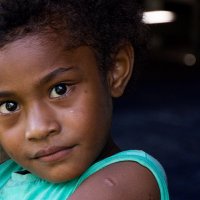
(6, 94)
(55, 73)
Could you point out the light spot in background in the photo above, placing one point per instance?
(189, 59)
(159, 16)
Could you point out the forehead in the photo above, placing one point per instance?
(36, 42)
(33, 54)
(28, 51)
(46, 38)
(39, 45)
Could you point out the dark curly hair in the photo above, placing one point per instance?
(101, 24)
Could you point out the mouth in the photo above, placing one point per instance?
(53, 154)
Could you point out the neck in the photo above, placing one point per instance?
(109, 149)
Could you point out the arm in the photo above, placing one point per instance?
(124, 180)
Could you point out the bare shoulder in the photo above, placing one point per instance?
(123, 180)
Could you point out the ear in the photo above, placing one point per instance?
(120, 73)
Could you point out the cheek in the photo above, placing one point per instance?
(10, 126)
(88, 119)
(11, 139)
(84, 112)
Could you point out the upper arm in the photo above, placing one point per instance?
(123, 180)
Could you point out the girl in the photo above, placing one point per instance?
(61, 64)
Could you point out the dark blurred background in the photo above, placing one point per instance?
(161, 114)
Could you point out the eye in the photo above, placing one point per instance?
(8, 107)
(59, 90)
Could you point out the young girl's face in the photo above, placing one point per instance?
(55, 109)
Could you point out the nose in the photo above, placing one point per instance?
(41, 122)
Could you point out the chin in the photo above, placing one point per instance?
(59, 177)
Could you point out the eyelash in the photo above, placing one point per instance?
(67, 89)
(63, 87)
(7, 112)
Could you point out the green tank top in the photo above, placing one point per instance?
(14, 185)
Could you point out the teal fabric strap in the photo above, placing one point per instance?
(28, 187)
(6, 170)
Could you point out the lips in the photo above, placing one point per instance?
(52, 154)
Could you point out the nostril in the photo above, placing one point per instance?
(54, 128)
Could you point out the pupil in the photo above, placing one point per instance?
(11, 106)
(61, 89)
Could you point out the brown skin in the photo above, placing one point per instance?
(123, 180)
(56, 120)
